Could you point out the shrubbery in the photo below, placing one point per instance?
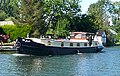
(118, 38)
(2, 15)
(16, 31)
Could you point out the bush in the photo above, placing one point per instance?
(16, 31)
(2, 15)
(118, 37)
(9, 19)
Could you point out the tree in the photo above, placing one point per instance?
(9, 7)
(116, 16)
(61, 28)
(87, 23)
(59, 15)
(30, 12)
(100, 11)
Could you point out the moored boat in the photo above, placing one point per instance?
(79, 42)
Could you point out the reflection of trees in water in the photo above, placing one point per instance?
(28, 65)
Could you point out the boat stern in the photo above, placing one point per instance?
(99, 48)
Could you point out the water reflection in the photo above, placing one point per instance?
(49, 66)
(93, 64)
(28, 65)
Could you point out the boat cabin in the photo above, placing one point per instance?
(77, 39)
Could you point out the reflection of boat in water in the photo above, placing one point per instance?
(27, 66)
(79, 42)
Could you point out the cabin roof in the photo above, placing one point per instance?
(81, 33)
(71, 40)
(77, 32)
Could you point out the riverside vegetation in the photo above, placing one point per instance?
(58, 17)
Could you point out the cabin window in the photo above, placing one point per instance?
(85, 44)
(62, 44)
(78, 44)
(95, 43)
(71, 44)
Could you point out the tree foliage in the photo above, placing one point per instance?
(2, 15)
(59, 15)
(101, 13)
(87, 24)
(30, 13)
(116, 16)
(9, 7)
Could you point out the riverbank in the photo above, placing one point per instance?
(4, 48)
(109, 45)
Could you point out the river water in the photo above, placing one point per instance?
(106, 63)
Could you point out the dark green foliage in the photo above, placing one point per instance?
(116, 27)
(84, 23)
(60, 15)
(61, 29)
(30, 13)
(1, 31)
(16, 31)
(118, 37)
(9, 6)
(2, 15)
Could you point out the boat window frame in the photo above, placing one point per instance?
(71, 44)
(78, 44)
(85, 44)
(62, 44)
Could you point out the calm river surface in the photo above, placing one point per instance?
(106, 63)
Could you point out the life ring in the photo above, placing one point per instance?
(18, 44)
